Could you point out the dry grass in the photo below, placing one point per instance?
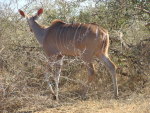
(132, 105)
(23, 87)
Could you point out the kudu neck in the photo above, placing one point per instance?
(38, 31)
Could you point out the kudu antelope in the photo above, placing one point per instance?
(85, 40)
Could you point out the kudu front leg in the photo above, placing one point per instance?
(48, 78)
(54, 67)
(57, 67)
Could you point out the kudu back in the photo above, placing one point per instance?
(62, 39)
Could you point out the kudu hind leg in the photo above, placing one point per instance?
(112, 69)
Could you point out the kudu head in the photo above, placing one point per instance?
(31, 19)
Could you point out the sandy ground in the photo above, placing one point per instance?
(133, 105)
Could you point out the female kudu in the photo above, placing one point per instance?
(85, 40)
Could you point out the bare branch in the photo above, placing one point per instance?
(142, 9)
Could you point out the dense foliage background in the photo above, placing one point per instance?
(22, 60)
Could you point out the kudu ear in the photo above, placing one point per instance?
(21, 13)
(40, 11)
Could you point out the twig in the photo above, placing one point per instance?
(2, 49)
(75, 81)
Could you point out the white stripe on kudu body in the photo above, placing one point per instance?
(80, 38)
(75, 38)
(60, 39)
(86, 32)
(58, 32)
(97, 35)
(65, 40)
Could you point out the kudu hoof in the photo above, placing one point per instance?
(55, 98)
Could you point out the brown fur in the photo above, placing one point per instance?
(74, 39)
